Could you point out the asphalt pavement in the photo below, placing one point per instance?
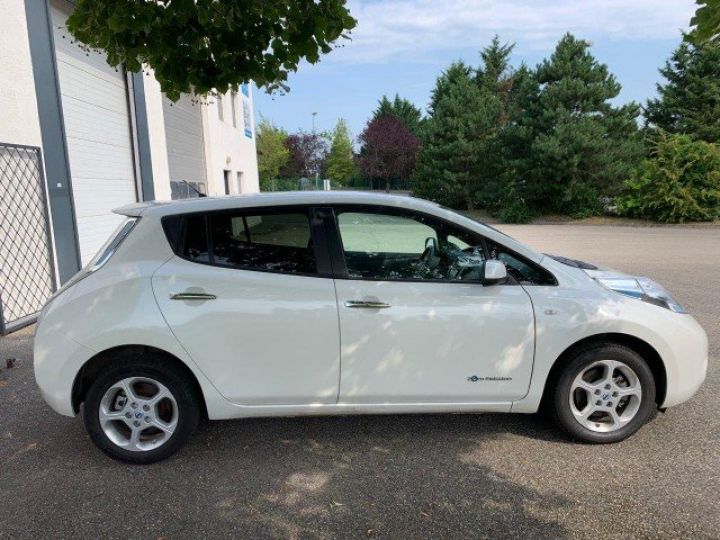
(417, 476)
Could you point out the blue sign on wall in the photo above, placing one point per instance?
(247, 115)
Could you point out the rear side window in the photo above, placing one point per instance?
(271, 242)
(112, 244)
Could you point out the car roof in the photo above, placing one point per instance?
(158, 209)
(286, 198)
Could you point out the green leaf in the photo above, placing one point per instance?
(201, 45)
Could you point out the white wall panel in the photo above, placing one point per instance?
(184, 135)
(99, 138)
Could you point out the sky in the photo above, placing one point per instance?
(401, 46)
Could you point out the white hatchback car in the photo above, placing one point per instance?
(349, 303)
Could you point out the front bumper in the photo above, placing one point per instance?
(686, 361)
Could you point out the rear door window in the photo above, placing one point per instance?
(268, 241)
(274, 242)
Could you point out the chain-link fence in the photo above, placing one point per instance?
(312, 184)
(27, 275)
(292, 184)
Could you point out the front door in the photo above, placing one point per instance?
(416, 325)
(248, 300)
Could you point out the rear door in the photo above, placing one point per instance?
(250, 296)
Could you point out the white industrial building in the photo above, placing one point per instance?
(93, 138)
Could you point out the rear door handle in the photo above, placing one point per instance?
(192, 296)
(372, 304)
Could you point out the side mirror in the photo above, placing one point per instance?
(494, 272)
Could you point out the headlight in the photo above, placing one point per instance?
(643, 289)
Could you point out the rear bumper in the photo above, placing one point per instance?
(57, 359)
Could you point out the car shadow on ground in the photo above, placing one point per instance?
(396, 476)
(408, 476)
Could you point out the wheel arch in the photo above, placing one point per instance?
(641, 347)
(94, 365)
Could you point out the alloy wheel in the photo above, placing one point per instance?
(605, 396)
(138, 414)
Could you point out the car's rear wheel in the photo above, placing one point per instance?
(604, 394)
(140, 411)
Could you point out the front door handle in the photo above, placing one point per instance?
(192, 296)
(372, 304)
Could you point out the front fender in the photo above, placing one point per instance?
(566, 316)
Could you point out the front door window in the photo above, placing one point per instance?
(390, 245)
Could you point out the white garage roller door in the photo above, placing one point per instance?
(99, 138)
(184, 134)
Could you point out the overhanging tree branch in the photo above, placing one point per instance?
(204, 45)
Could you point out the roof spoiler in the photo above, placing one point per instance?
(136, 209)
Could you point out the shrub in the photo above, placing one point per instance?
(513, 207)
(680, 181)
(517, 212)
(582, 202)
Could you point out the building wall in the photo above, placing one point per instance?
(228, 148)
(32, 115)
(19, 124)
(156, 134)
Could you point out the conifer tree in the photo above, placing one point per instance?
(461, 133)
(403, 109)
(495, 76)
(340, 160)
(512, 203)
(495, 73)
(583, 146)
(689, 102)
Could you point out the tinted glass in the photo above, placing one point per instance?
(113, 243)
(402, 246)
(195, 243)
(269, 242)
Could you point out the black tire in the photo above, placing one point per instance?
(560, 388)
(152, 367)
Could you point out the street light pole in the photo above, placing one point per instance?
(317, 173)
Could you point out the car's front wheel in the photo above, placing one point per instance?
(140, 411)
(604, 394)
